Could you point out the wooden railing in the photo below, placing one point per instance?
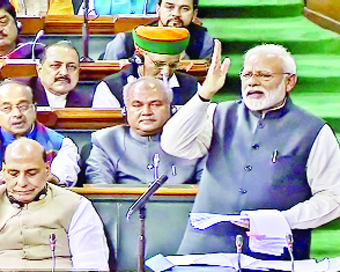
(98, 70)
(80, 118)
(324, 13)
(125, 190)
(72, 24)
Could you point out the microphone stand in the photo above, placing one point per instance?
(290, 241)
(85, 34)
(140, 205)
(141, 242)
(145, 7)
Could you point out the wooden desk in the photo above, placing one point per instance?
(80, 118)
(72, 24)
(166, 218)
(98, 70)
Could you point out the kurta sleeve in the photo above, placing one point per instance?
(188, 133)
(323, 175)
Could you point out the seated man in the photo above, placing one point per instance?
(58, 75)
(43, 7)
(114, 7)
(18, 119)
(131, 153)
(264, 153)
(11, 45)
(171, 13)
(157, 54)
(32, 211)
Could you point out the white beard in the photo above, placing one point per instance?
(272, 97)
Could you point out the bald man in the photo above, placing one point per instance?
(131, 154)
(31, 210)
(18, 119)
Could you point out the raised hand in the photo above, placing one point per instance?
(217, 73)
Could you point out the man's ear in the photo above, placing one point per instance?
(157, 10)
(38, 67)
(291, 81)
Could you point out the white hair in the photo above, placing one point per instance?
(288, 66)
(147, 80)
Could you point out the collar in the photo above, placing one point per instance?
(144, 139)
(276, 112)
(56, 101)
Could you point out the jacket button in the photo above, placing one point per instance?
(255, 146)
(248, 168)
(150, 166)
(242, 191)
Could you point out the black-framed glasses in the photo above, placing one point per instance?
(262, 76)
(162, 64)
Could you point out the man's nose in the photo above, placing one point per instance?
(63, 70)
(165, 71)
(22, 180)
(16, 111)
(146, 110)
(176, 12)
(254, 80)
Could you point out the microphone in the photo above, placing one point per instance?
(53, 241)
(290, 241)
(156, 161)
(140, 202)
(239, 244)
(40, 33)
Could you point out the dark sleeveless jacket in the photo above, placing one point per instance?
(242, 172)
(188, 86)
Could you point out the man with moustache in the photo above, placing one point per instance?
(171, 13)
(158, 51)
(131, 153)
(11, 45)
(58, 76)
(264, 153)
(18, 119)
(32, 210)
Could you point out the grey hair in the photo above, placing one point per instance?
(143, 80)
(289, 65)
(19, 83)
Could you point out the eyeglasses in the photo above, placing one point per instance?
(260, 75)
(23, 107)
(162, 64)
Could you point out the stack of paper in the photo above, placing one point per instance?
(160, 263)
(268, 230)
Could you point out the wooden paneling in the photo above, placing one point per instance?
(324, 13)
(97, 70)
(72, 24)
(330, 8)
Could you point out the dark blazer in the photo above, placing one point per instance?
(76, 98)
